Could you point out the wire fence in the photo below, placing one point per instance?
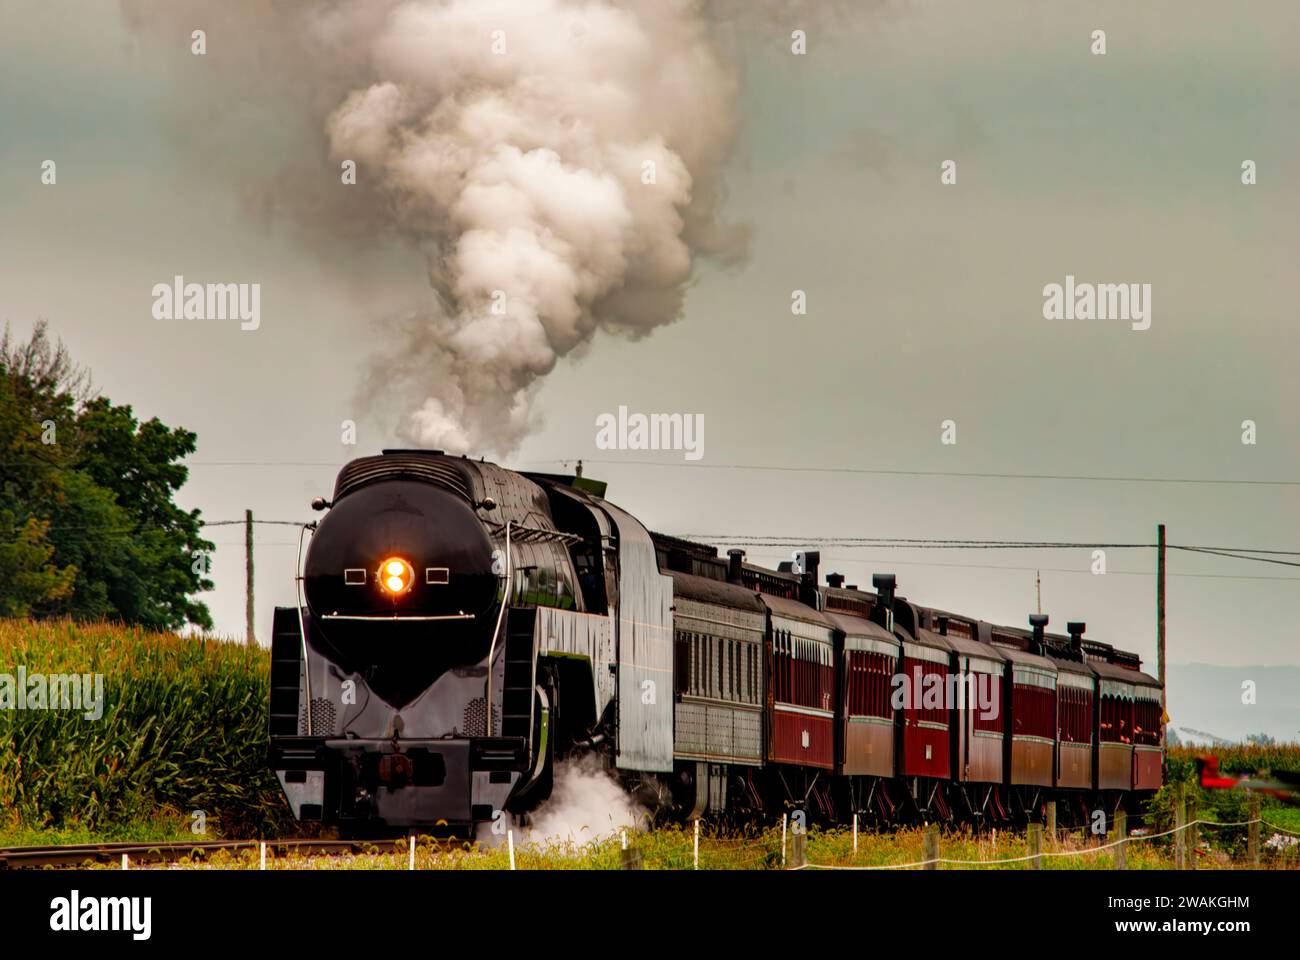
(1040, 855)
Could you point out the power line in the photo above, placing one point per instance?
(775, 468)
(229, 523)
(881, 471)
(891, 561)
(1237, 556)
(906, 543)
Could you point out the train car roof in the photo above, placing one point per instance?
(1073, 666)
(852, 603)
(795, 610)
(708, 590)
(1113, 671)
(973, 648)
(1016, 655)
(928, 638)
(860, 627)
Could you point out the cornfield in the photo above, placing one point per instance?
(183, 729)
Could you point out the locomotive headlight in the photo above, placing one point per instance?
(395, 575)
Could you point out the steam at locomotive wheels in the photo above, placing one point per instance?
(462, 628)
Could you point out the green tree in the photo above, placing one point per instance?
(88, 526)
(27, 577)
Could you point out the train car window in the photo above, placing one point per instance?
(683, 663)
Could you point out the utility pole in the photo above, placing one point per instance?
(248, 618)
(1160, 626)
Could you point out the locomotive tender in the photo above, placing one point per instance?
(462, 627)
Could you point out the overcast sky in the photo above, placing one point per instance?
(925, 303)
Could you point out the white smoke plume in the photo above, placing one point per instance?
(586, 804)
(556, 161)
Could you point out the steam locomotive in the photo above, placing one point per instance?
(462, 628)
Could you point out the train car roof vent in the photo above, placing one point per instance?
(883, 612)
(735, 562)
(1039, 622)
(1075, 629)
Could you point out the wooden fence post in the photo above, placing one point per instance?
(1253, 830)
(1193, 834)
(799, 849)
(1051, 823)
(931, 847)
(1121, 836)
(631, 859)
(1036, 846)
(1180, 821)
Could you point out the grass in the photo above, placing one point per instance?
(672, 849)
(183, 729)
(157, 830)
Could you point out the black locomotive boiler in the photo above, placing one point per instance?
(462, 627)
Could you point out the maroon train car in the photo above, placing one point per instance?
(1031, 706)
(868, 662)
(980, 733)
(801, 711)
(1115, 694)
(925, 737)
(1148, 714)
(1076, 686)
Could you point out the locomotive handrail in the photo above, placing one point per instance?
(492, 648)
(536, 534)
(302, 626)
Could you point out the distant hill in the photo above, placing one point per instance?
(1206, 697)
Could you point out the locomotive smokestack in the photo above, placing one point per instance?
(883, 610)
(1039, 623)
(735, 557)
(1075, 628)
(835, 580)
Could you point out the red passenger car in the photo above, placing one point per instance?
(801, 713)
(868, 663)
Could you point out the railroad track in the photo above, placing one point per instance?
(73, 855)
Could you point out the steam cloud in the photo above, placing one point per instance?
(556, 161)
(586, 805)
